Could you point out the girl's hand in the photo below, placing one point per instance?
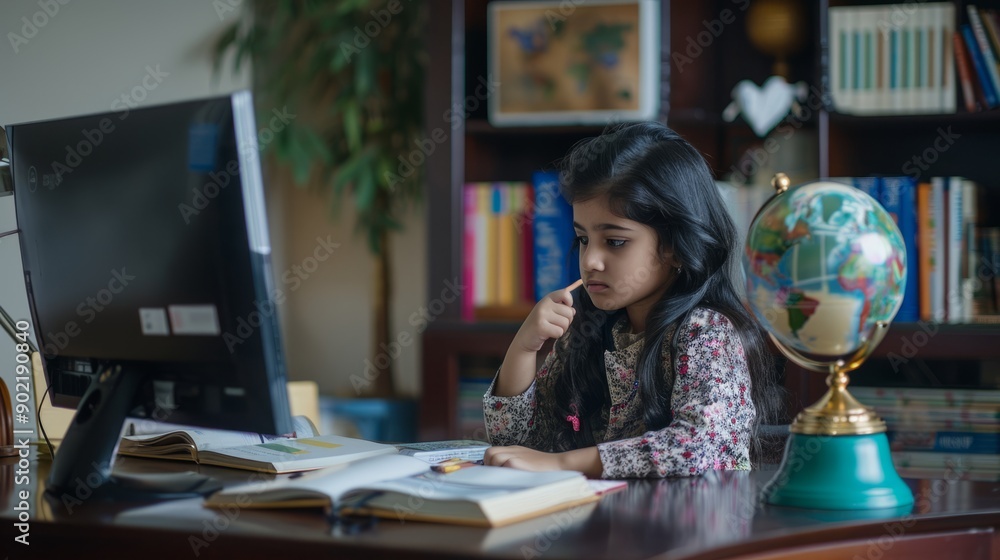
(518, 457)
(586, 460)
(550, 318)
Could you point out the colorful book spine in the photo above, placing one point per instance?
(505, 244)
(484, 244)
(553, 232)
(925, 249)
(963, 62)
(983, 41)
(469, 216)
(938, 309)
(526, 229)
(979, 64)
(955, 236)
(899, 199)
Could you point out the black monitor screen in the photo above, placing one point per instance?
(144, 244)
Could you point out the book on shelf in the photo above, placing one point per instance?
(405, 488)
(495, 237)
(966, 79)
(881, 64)
(985, 48)
(555, 263)
(899, 198)
(948, 473)
(934, 459)
(437, 451)
(944, 441)
(303, 450)
(979, 68)
(936, 395)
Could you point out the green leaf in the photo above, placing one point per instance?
(352, 125)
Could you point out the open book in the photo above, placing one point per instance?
(405, 488)
(303, 450)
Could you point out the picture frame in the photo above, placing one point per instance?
(579, 62)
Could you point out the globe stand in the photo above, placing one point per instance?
(837, 456)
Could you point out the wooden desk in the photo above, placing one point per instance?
(714, 516)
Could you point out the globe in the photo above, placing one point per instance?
(824, 263)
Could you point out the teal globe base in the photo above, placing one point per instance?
(837, 472)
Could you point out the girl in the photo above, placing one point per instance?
(657, 369)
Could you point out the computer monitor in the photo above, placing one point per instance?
(147, 267)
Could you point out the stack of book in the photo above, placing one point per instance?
(937, 433)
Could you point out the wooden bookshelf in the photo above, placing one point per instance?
(691, 102)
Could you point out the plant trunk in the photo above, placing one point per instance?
(383, 385)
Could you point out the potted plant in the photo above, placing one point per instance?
(354, 72)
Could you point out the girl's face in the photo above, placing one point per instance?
(620, 261)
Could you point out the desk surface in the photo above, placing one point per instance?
(714, 516)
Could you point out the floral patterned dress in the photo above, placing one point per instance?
(712, 413)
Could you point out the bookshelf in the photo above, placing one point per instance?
(691, 103)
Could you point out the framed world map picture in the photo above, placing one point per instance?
(574, 62)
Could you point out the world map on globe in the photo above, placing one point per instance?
(824, 263)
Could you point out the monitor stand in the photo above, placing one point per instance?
(81, 469)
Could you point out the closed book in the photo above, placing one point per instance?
(985, 47)
(945, 441)
(437, 451)
(925, 249)
(555, 267)
(950, 473)
(931, 459)
(963, 62)
(469, 217)
(979, 65)
(506, 236)
(406, 489)
(944, 396)
(937, 210)
(899, 198)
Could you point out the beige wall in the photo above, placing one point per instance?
(90, 53)
(328, 324)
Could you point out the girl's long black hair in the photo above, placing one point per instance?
(653, 176)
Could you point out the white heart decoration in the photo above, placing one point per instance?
(763, 108)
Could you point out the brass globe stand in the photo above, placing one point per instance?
(837, 456)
